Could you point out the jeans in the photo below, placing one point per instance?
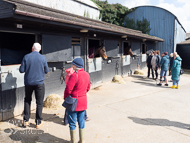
(73, 117)
(175, 81)
(65, 119)
(39, 95)
(163, 73)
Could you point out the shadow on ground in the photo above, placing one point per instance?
(147, 81)
(31, 136)
(160, 122)
(46, 117)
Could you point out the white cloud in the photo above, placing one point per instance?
(182, 13)
(134, 3)
(161, 1)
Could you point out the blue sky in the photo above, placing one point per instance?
(180, 8)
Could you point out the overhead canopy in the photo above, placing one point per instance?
(20, 7)
(184, 42)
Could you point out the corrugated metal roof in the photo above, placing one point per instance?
(37, 11)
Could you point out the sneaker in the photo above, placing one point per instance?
(166, 84)
(25, 123)
(40, 125)
(159, 84)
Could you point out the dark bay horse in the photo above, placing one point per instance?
(128, 51)
(100, 52)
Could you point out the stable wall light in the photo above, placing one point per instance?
(124, 36)
(143, 40)
(83, 30)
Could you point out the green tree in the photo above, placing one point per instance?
(143, 25)
(112, 13)
(116, 14)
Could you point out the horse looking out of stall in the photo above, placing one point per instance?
(100, 52)
(128, 51)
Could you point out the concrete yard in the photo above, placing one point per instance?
(135, 112)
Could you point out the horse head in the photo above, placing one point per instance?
(130, 52)
(102, 52)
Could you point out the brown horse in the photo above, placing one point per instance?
(101, 52)
(128, 51)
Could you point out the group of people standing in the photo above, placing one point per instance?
(164, 63)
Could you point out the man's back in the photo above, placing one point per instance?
(35, 66)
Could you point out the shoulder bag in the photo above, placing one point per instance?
(70, 103)
(181, 71)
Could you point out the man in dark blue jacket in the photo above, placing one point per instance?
(34, 65)
(148, 63)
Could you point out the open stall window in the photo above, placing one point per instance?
(14, 46)
(127, 49)
(76, 47)
(144, 48)
(93, 46)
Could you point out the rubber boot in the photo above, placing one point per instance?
(73, 136)
(81, 135)
(173, 86)
(177, 87)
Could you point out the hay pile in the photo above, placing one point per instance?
(53, 101)
(139, 72)
(118, 79)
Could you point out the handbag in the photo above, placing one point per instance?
(70, 103)
(181, 71)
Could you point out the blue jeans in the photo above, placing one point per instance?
(65, 119)
(163, 73)
(73, 117)
(175, 81)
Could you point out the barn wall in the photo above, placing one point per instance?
(150, 46)
(112, 48)
(53, 82)
(184, 52)
(78, 6)
(56, 48)
(179, 35)
(136, 47)
(110, 68)
(161, 24)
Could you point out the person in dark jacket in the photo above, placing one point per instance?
(71, 89)
(176, 67)
(171, 63)
(34, 65)
(148, 63)
(155, 62)
(164, 64)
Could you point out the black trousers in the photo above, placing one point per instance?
(150, 68)
(39, 95)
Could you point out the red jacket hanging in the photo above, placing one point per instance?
(83, 88)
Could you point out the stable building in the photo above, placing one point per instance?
(63, 36)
